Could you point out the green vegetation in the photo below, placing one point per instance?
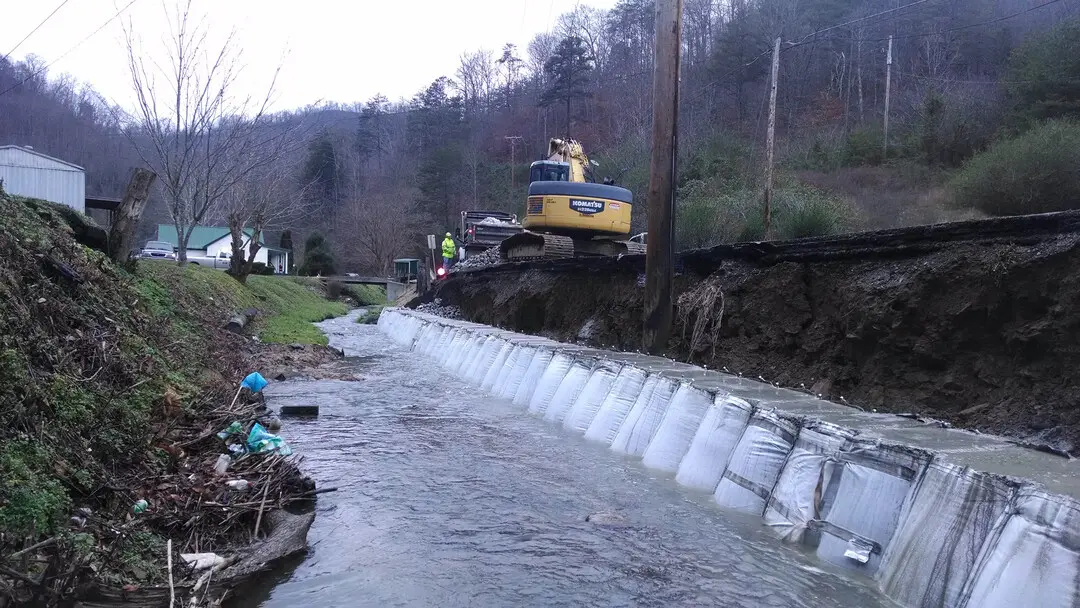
(370, 316)
(90, 357)
(1043, 75)
(367, 295)
(317, 257)
(287, 307)
(1033, 173)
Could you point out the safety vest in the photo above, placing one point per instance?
(449, 249)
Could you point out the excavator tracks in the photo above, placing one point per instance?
(531, 246)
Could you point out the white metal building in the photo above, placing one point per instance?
(27, 172)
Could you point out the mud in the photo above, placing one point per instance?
(974, 324)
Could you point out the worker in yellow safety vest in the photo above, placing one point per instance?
(449, 251)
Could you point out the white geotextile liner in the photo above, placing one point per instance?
(483, 363)
(942, 531)
(756, 462)
(525, 356)
(792, 503)
(478, 365)
(549, 383)
(535, 370)
(444, 343)
(458, 340)
(1035, 560)
(440, 342)
(507, 369)
(713, 443)
(497, 367)
(474, 353)
(862, 496)
(644, 418)
(677, 429)
(464, 357)
(427, 335)
(584, 409)
(628, 386)
(568, 392)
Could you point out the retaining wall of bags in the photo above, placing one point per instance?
(938, 517)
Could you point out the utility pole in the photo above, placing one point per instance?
(513, 139)
(888, 88)
(770, 138)
(660, 247)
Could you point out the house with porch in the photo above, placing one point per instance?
(212, 240)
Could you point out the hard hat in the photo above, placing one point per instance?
(447, 234)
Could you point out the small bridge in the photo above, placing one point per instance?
(394, 288)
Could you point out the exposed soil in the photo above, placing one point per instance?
(964, 323)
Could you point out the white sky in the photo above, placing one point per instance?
(337, 50)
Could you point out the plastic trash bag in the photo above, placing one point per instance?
(259, 440)
(254, 382)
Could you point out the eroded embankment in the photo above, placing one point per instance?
(971, 322)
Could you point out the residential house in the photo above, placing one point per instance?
(27, 172)
(212, 240)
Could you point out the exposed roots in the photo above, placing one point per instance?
(700, 304)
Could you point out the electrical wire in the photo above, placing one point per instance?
(36, 28)
(67, 52)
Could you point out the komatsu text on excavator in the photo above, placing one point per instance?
(568, 214)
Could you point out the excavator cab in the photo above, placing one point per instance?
(549, 171)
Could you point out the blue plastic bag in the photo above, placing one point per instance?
(254, 382)
(259, 440)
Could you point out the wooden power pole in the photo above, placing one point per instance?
(660, 246)
(513, 139)
(770, 138)
(888, 89)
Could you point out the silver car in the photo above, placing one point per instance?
(157, 250)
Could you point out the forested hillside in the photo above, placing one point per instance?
(967, 76)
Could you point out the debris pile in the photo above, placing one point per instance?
(484, 259)
(438, 309)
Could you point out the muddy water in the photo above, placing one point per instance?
(452, 498)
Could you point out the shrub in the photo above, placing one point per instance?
(370, 316)
(799, 211)
(367, 295)
(260, 268)
(1036, 172)
(334, 289)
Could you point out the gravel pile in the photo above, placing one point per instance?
(484, 259)
(438, 309)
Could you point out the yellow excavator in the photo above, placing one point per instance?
(568, 214)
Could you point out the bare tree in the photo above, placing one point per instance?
(188, 127)
(381, 226)
(267, 198)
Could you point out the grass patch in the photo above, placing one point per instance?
(367, 295)
(288, 306)
(370, 316)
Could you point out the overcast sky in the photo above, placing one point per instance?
(335, 50)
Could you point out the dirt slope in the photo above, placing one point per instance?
(975, 323)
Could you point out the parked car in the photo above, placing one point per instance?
(157, 250)
(221, 262)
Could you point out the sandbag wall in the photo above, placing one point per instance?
(931, 534)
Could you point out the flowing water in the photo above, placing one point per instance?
(450, 497)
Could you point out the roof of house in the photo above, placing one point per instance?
(201, 236)
(9, 152)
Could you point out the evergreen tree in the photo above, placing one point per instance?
(1044, 74)
(318, 260)
(321, 170)
(568, 72)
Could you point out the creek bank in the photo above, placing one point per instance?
(113, 384)
(972, 323)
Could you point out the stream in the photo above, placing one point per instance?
(450, 497)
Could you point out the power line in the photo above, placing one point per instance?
(970, 25)
(36, 28)
(67, 52)
(853, 21)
